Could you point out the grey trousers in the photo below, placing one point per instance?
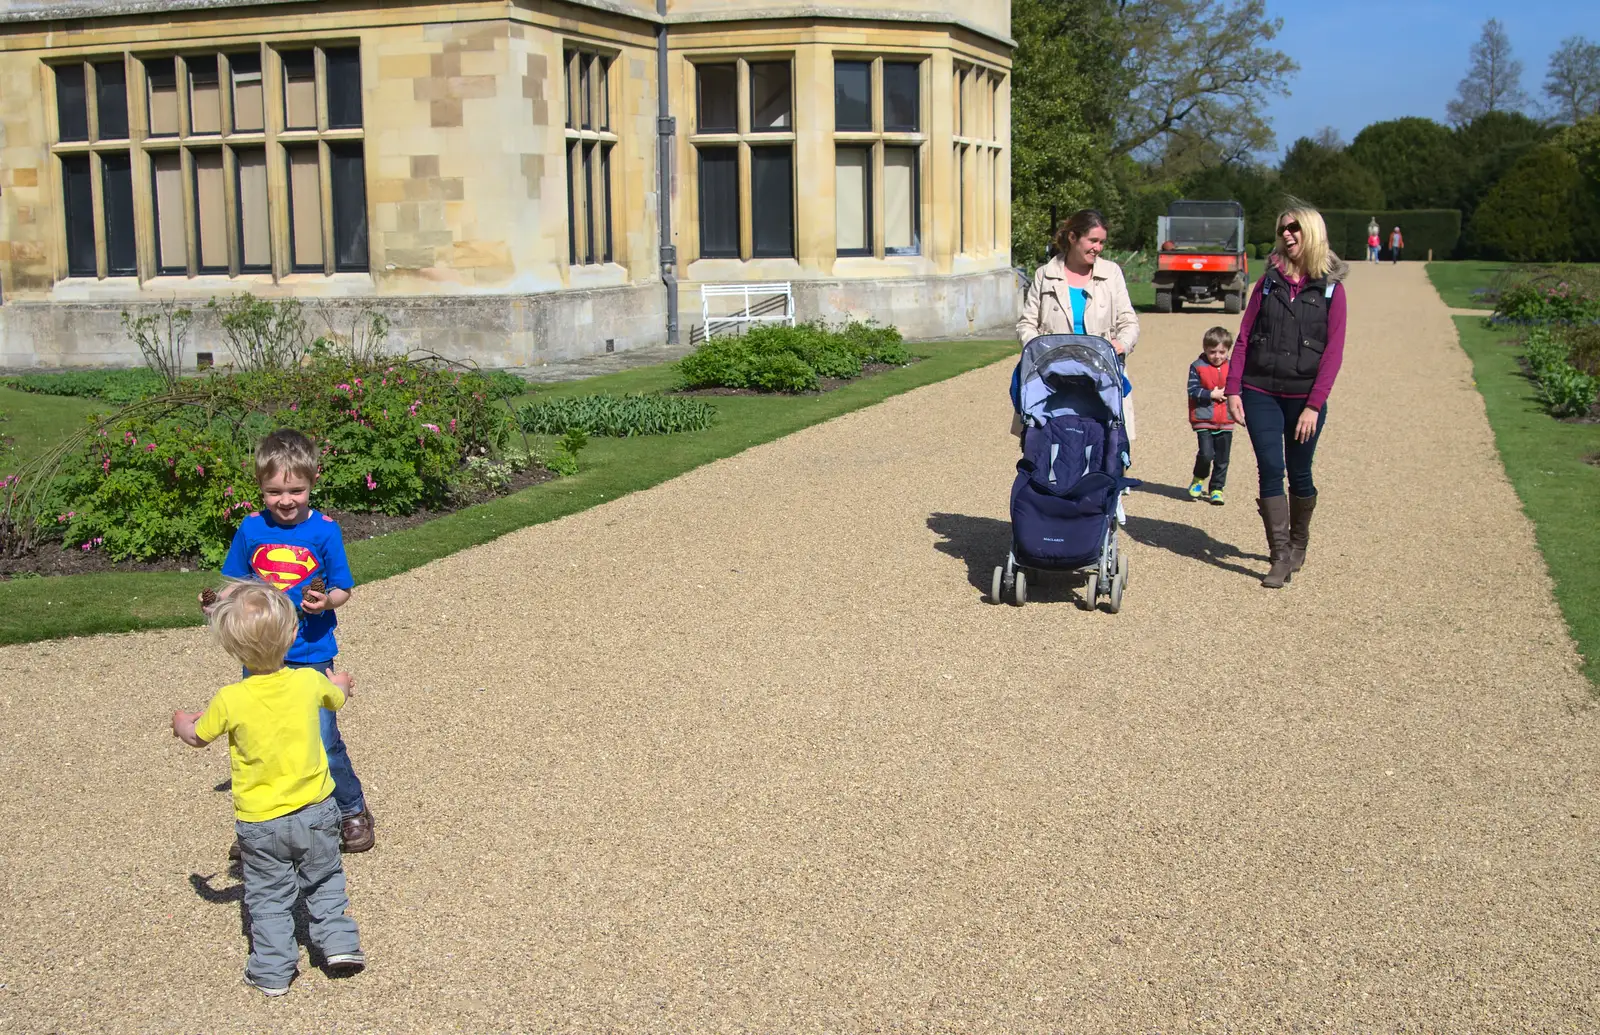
(283, 858)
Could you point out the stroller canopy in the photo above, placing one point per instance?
(1070, 374)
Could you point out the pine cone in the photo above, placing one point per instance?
(208, 597)
(316, 585)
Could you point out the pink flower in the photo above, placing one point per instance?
(432, 427)
(370, 483)
(228, 491)
(200, 470)
(452, 425)
(294, 407)
(149, 447)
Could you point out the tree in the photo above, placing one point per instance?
(1417, 161)
(1582, 141)
(1198, 65)
(1328, 178)
(1530, 215)
(1573, 80)
(1493, 82)
(1490, 145)
(1063, 74)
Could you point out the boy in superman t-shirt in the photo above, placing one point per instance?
(299, 551)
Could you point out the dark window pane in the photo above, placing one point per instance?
(603, 73)
(852, 95)
(605, 215)
(719, 98)
(163, 76)
(574, 170)
(719, 202)
(111, 91)
(344, 88)
(769, 96)
(299, 90)
(349, 188)
(589, 223)
(901, 95)
(771, 202)
(72, 104)
(567, 64)
(585, 92)
(78, 201)
(117, 193)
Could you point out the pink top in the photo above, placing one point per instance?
(1332, 356)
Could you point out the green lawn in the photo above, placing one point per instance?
(39, 422)
(46, 608)
(1560, 490)
(1455, 281)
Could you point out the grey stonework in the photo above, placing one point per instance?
(489, 330)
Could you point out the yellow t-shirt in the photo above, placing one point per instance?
(274, 740)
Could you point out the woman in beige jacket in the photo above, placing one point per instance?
(1077, 292)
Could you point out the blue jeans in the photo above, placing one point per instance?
(346, 784)
(1270, 419)
(282, 859)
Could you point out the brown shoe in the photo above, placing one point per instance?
(1275, 519)
(1300, 511)
(235, 853)
(355, 832)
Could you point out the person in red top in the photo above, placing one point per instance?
(1208, 415)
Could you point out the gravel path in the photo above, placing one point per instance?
(746, 752)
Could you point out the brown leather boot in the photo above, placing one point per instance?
(1275, 519)
(1300, 510)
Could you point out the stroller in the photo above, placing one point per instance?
(1065, 502)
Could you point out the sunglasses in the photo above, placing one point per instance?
(1289, 228)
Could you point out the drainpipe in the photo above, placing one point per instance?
(666, 130)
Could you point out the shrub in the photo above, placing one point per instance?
(160, 337)
(263, 335)
(1529, 215)
(1537, 301)
(1567, 390)
(1438, 229)
(616, 416)
(503, 385)
(112, 386)
(790, 359)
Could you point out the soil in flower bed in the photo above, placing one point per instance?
(51, 559)
(825, 384)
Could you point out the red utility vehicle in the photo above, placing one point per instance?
(1202, 257)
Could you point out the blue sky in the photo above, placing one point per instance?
(1365, 61)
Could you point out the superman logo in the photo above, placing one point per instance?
(283, 567)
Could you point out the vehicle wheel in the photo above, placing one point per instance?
(1019, 592)
(1119, 582)
(1091, 590)
(1163, 301)
(1232, 302)
(994, 585)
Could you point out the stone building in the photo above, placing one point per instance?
(489, 174)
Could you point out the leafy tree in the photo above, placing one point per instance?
(1199, 65)
(1417, 161)
(1063, 73)
(1582, 141)
(1328, 178)
(1573, 80)
(1531, 214)
(1494, 80)
(1256, 187)
(1491, 144)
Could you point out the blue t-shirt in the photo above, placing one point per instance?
(1079, 299)
(287, 557)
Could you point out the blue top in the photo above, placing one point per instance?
(1079, 299)
(288, 556)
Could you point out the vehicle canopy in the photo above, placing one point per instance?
(1202, 226)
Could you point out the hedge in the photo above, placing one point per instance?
(1422, 228)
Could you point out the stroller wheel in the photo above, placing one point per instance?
(1119, 582)
(1019, 592)
(1091, 590)
(994, 584)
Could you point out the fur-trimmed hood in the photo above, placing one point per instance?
(1338, 269)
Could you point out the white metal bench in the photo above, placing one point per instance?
(763, 302)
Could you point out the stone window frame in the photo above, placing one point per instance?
(589, 152)
(142, 147)
(976, 155)
(877, 140)
(744, 139)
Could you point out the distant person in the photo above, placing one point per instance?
(1208, 415)
(1374, 242)
(1078, 292)
(1291, 343)
(1396, 242)
(286, 818)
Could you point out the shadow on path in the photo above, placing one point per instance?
(982, 544)
(1171, 492)
(1188, 541)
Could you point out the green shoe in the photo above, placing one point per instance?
(1197, 490)
(1216, 497)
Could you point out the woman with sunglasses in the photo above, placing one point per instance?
(1290, 346)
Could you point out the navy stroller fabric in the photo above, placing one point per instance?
(1074, 452)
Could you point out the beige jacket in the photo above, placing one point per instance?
(1108, 313)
